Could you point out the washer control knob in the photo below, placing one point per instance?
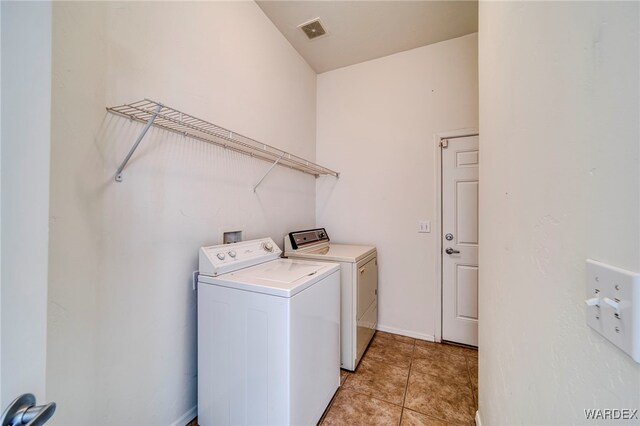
(221, 256)
(267, 246)
(232, 253)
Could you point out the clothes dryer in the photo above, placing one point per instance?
(358, 287)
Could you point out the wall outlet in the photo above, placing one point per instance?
(424, 226)
(613, 305)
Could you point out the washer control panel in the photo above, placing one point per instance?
(220, 259)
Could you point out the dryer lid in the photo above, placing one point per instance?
(334, 252)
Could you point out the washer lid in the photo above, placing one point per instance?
(281, 277)
(334, 252)
(279, 272)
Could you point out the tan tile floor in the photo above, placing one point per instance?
(407, 382)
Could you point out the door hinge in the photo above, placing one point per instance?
(444, 143)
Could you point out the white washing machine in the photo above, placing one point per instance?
(268, 336)
(358, 282)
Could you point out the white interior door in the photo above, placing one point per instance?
(460, 240)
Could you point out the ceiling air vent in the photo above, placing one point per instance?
(313, 29)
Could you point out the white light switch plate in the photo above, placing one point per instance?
(613, 305)
(424, 226)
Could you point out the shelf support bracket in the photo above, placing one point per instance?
(268, 171)
(135, 145)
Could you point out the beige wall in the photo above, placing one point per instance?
(560, 183)
(122, 324)
(376, 125)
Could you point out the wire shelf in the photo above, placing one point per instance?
(163, 117)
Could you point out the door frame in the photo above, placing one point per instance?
(438, 138)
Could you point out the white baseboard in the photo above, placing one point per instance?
(186, 417)
(478, 419)
(408, 333)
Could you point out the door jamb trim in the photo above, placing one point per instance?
(438, 138)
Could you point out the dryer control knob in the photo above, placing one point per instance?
(232, 253)
(221, 256)
(267, 246)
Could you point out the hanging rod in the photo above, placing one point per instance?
(161, 116)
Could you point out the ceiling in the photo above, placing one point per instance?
(358, 31)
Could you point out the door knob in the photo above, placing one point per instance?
(449, 250)
(23, 411)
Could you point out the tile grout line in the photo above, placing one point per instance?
(392, 365)
(373, 397)
(448, 353)
(473, 393)
(406, 386)
(401, 406)
(467, 357)
(429, 415)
